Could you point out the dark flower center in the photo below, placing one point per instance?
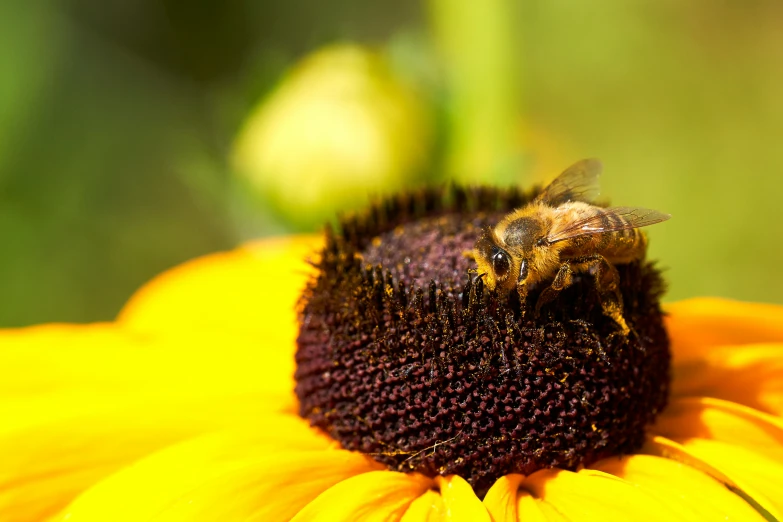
(404, 356)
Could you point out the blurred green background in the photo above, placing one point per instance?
(139, 133)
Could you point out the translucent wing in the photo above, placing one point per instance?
(579, 182)
(609, 220)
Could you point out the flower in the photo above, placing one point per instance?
(182, 409)
(342, 123)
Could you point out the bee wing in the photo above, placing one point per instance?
(579, 182)
(609, 220)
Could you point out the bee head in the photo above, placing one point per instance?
(494, 261)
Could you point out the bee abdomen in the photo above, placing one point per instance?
(623, 245)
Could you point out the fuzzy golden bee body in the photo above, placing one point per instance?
(563, 232)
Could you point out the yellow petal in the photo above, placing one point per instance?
(506, 502)
(377, 495)
(592, 495)
(697, 325)
(713, 464)
(46, 465)
(86, 370)
(753, 472)
(501, 499)
(41, 359)
(100, 397)
(272, 446)
(275, 488)
(460, 501)
(688, 492)
(428, 507)
(252, 288)
(531, 509)
(709, 418)
(698, 494)
(454, 500)
(747, 374)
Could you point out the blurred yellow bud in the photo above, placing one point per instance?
(338, 128)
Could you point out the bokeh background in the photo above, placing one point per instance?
(135, 134)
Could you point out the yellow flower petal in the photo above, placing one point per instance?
(531, 509)
(715, 419)
(101, 397)
(506, 502)
(698, 325)
(592, 495)
(687, 492)
(428, 507)
(454, 500)
(96, 369)
(460, 500)
(41, 359)
(105, 360)
(275, 450)
(276, 488)
(45, 465)
(750, 470)
(747, 374)
(376, 495)
(501, 499)
(657, 445)
(252, 288)
(703, 497)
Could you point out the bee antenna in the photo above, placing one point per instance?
(480, 276)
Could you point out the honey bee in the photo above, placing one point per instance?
(563, 232)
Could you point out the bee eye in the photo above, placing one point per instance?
(501, 264)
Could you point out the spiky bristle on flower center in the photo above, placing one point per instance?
(404, 356)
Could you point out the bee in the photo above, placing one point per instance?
(561, 233)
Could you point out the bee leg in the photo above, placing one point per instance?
(563, 279)
(607, 281)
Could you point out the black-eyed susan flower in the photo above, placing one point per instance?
(184, 407)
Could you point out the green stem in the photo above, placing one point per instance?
(479, 46)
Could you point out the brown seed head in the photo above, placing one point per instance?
(404, 356)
